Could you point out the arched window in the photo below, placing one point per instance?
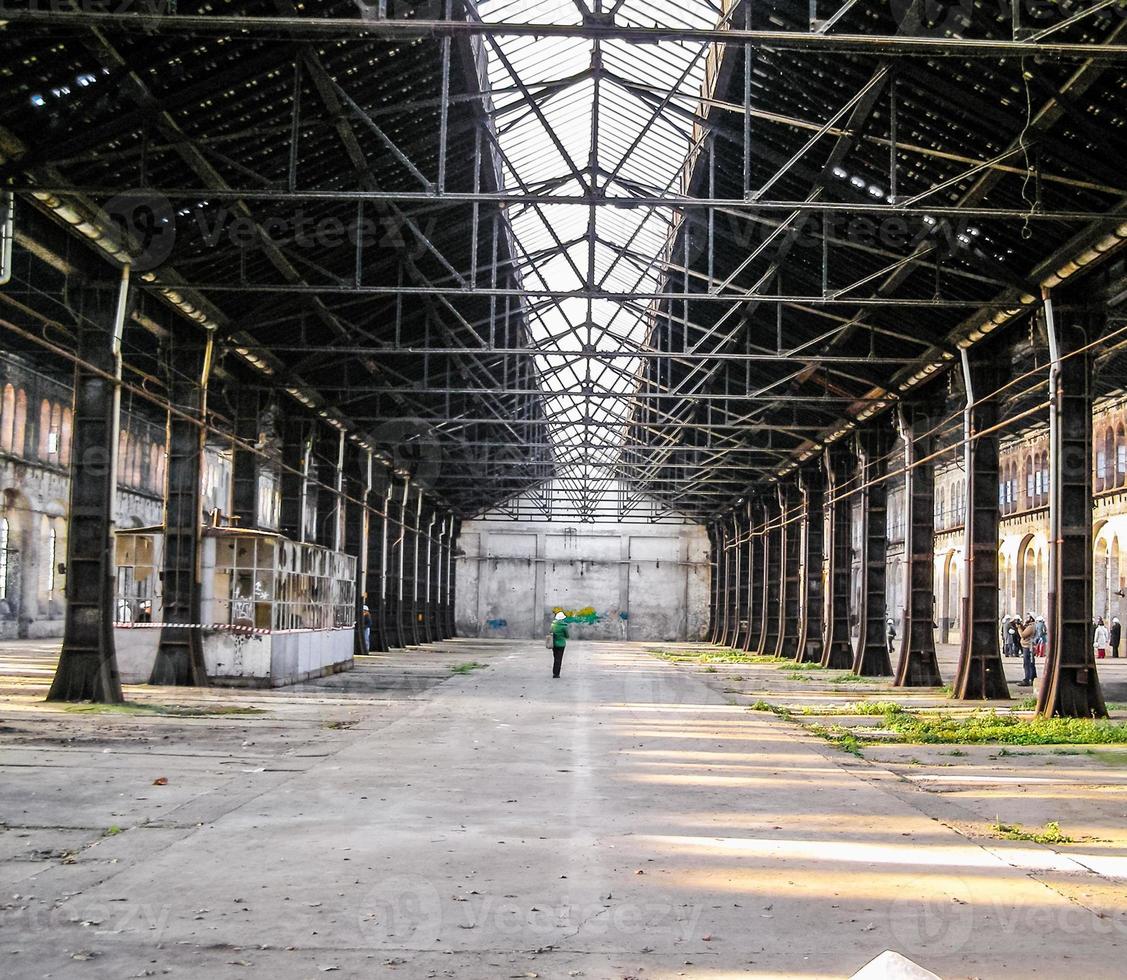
(1109, 458)
(1030, 496)
(1120, 456)
(44, 426)
(19, 430)
(55, 434)
(51, 563)
(123, 441)
(64, 437)
(3, 558)
(7, 417)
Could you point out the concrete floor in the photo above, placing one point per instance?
(631, 819)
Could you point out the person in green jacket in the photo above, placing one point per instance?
(560, 636)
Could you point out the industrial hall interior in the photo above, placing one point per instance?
(563, 488)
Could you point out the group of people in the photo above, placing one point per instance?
(1029, 638)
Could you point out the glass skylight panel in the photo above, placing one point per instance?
(544, 95)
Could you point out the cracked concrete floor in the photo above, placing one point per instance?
(405, 820)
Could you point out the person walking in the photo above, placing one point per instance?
(1115, 634)
(560, 636)
(1040, 637)
(1026, 632)
(889, 635)
(1101, 639)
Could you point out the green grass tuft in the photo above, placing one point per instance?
(467, 667)
(1049, 834)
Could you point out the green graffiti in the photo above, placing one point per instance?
(586, 615)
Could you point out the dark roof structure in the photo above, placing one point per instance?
(597, 252)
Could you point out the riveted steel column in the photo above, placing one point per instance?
(1071, 688)
(722, 564)
(755, 577)
(980, 674)
(732, 620)
(326, 492)
(245, 461)
(812, 483)
(87, 669)
(357, 472)
(789, 598)
(874, 442)
(918, 666)
(377, 557)
(396, 503)
(773, 578)
(430, 603)
(179, 659)
(409, 566)
(455, 529)
(838, 649)
(714, 561)
(744, 627)
(296, 434)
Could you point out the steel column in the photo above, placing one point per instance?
(1071, 688)
(744, 630)
(812, 483)
(295, 471)
(773, 577)
(732, 617)
(838, 649)
(357, 473)
(87, 669)
(393, 562)
(179, 658)
(918, 666)
(245, 461)
(874, 442)
(377, 561)
(980, 674)
(714, 554)
(455, 529)
(790, 581)
(409, 607)
(755, 576)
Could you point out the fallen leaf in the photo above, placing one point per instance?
(160, 781)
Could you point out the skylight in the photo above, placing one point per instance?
(575, 116)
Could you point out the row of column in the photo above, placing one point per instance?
(332, 494)
(782, 559)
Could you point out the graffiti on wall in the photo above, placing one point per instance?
(496, 624)
(588, 615)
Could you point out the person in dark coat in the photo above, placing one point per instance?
(560, 636)
(1116, 633)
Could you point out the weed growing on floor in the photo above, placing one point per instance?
(804, 666)
(1026, 704)
(467, 667)
(775, 709)
(796, 676)
(841, 737)
(1049, 834)
(984, 727)
(709, 670)
(171, 710)
(712, 655)
(111, 831)
(870, 708)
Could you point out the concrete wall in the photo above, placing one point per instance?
(625, 581)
